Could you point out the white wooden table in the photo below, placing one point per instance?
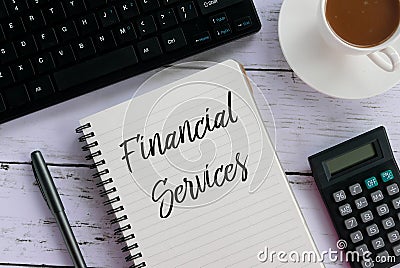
(306, 122)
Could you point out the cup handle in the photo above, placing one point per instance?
(391, 54)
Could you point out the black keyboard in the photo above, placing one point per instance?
(54, 50)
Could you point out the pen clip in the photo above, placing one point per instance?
(39, 184)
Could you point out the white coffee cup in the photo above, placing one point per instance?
(377, 54)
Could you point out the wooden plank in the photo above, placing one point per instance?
(30, 236)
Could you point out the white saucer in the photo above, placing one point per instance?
(340, 76)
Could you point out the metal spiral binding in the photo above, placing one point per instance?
(104, 192)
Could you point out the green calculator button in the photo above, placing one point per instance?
(387, 175)
(371, 182)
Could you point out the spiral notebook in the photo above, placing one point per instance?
(193, 178)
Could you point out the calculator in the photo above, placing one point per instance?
(359, 183)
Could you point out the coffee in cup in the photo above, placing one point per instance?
(362, 27)
(363, 23)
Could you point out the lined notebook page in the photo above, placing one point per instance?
(211, 196)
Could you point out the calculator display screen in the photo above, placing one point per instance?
(351, 158)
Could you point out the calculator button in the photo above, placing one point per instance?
(367, 216)
(382, 256)
(388, 223)
(382, 209)
(372, 230)
(396, 250)
(378, 243)
(377, 196)
(392, 189)
(362, 249)
(339, 196)
(361, 203)
(396, 203)
(345, 209)
(367, 264)
(356, 237)
(355, 189)
(351, 223)
(393, 236)
(371, 182)
(387, 175)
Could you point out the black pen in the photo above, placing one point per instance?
(53, 200)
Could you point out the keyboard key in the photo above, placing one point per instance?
(392, 189)
(387, 175)
(220, 18)
(173, 40)
(3, 11)
(95, 3)
(149, 5)
(187, 11)
(356, 237)
(361, 203)
(40, 88)
(14, 27)
(6, 78)
(64, 56)
(207, 6)
(108, 16)
(54, 12)
(149, 48)
(104, 41)
(74, 7)
(396, 203)
(351, 223)
(366, 216)
(345, 209)
(2, 35)
(243, 23)
(372, 230)
(26, 46)
(15, 6)
(168, 2)
(34, 20)
(95, 68)
(382, 209)
(376, 196)
(66, 31)
(355, 189)
(204, 38)
(7, 53)
(125, 33)
(16, 96)
(37, 3)
(43, 63)
(378, 243)
(223, 30)
(46, 39)
(393, 236)
(84, 48)
(388, 223)
(128, 9)
(87, 24)
(147, 25)
(2, 104)
(22, 71)
(167, 18)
